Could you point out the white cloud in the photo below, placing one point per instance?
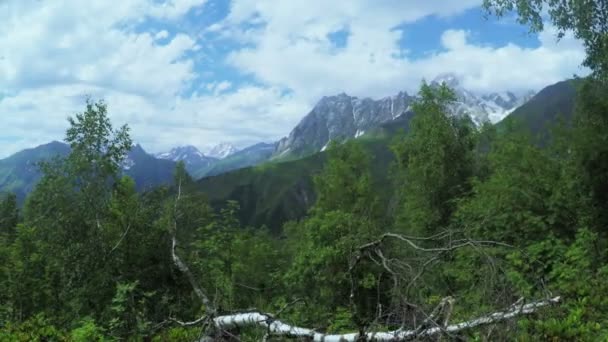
(53, 53)
(172, 9)
(161, 35)
(219, 87)
(56, 42)
(508, 67)
(292, 51)
(454, 39)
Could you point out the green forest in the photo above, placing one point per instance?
(485, 234)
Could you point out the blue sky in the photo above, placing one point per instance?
(243, 71)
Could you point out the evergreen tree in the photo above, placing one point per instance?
(9, 215)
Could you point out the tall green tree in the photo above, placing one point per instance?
(434, 162)
(9, 215)
(344, 217)
(346, 182)
(69, 210)
(590, 148)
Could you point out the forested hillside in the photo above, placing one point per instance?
(275, 192)
(482, 234)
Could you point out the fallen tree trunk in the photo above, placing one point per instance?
(278, 328)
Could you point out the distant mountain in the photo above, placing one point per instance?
(147, 171)
(249, 156)
(344, 117)
(340, 117)
(194, 159)
(19, 173)
(492, 107)
(222, 151)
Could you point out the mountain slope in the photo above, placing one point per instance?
(148, 171)
(492, 107)
(276, 192)
(546, 107)
(19, 173)
(337, 118)
(249, 156)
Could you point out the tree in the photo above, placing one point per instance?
(434, 162)
(97, 151)
(590, 148)
(9, 215)
(346, 181)
(69, 211)
(345, 216)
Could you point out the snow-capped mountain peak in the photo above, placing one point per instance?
(491, 107)
(342, 117)
(222, 150)
(188, 154)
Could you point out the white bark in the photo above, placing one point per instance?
(278, 328)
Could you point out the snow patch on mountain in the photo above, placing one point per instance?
(342, 116)
(188, 154)
(222, 150)
(481, 108)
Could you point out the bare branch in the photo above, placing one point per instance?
(452, 245)
(122, 237)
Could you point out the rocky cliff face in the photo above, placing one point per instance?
(190, 155)
(344, 117)
(492, 107)
(222, 150)
(340, 117)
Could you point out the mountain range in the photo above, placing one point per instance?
(272, 193)
(344, 117)
(336, 117)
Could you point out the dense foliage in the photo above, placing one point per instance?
(476, 218)
(88, 257)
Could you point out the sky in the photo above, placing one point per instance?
(201, 72)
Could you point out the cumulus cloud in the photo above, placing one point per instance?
(454, 39)
(161, 35)
(52, 54)
(294, 52)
